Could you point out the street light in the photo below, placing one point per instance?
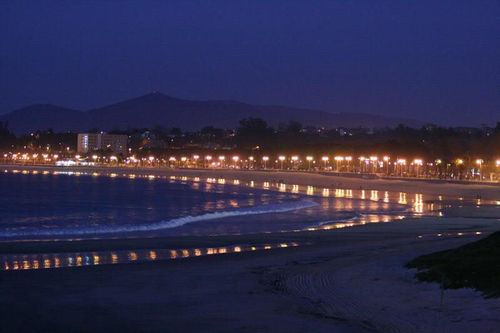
(309, 159)
(348, 160)
(374, 162)
(361, 163)
(337, 160)
(265, 159)
(325, 160)
(401, 162)
(418, 162)
(386, 161)
(235, 160)
(281, 158)
(479, 162)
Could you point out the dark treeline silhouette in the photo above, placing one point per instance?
(254, 134)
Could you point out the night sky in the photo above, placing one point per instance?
(430, 60)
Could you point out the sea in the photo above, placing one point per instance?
(66, 206)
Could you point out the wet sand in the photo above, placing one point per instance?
(489, 191)
(343, 280)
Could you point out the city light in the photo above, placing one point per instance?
(483, 169)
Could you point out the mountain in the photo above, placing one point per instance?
(157, 109)
(44, 116)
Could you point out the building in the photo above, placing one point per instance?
(89, 142)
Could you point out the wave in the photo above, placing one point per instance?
(162, 225)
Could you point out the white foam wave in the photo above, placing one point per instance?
(162, 225)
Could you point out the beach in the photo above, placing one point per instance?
(349, 279)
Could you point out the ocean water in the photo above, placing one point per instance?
(39, 206)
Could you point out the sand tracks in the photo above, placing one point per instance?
(377, 294)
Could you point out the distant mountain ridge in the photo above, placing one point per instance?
(157, 109)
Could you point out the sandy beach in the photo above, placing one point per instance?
(343, 280)
(433, 188)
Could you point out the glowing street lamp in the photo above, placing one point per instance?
(250, 162)
(309, 159)
(374, 162)
(418, 162)
(348, 160)
(338, 159)
(235, 160)
(361, 163)
(172, 160)
(282, 159)
(401, 162)
(479, 163)
(325, 160)
(265, 159)
(386, 161)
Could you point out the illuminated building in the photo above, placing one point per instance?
(88, 142)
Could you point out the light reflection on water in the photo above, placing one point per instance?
(94, 258)
(416, 202)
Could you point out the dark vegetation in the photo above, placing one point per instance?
(475, 265)
(255, 134)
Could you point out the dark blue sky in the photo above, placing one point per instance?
(430, 60)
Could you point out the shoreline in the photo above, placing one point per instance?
(434, 188)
